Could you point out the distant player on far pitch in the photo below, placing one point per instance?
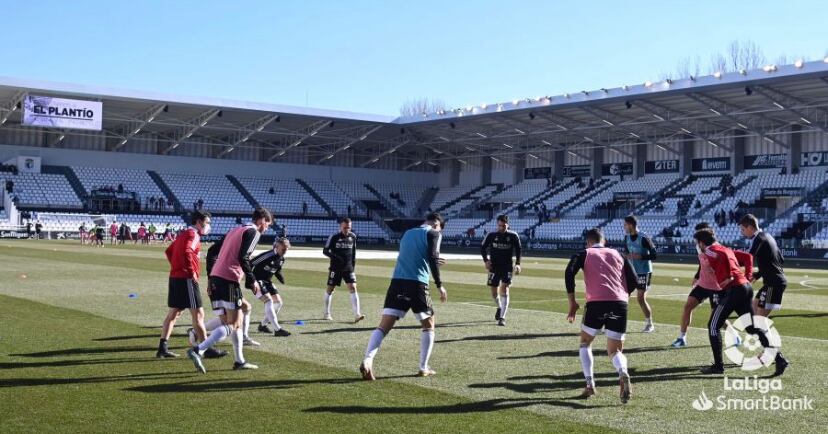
(497, 249)
(641, 252)
(341, 248)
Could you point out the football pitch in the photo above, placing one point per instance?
(80, 328)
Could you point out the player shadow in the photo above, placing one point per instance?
(576, 353)
(61, 363)
(125, 338)
(404, 327)
(30, 382)
(235, 386)
(509, 337)
(461, 408)
(800, 315)
(91, 351)
(575, 381)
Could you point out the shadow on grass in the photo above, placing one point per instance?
(800, 315)
(575, 353)
(61, 363)
(93, 351)
(126, 337)
(235, 385)
(29, 382)
(509, 337)
(406, 327)
(459, 408)
(575, 381)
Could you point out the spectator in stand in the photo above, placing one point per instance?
(304, 208)
(349, 211)
(271, 190)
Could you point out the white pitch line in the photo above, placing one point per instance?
(805, 284)
(640, 322)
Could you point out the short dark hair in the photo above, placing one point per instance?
(631, 220)
(749, 220)
(198, 216)
(594, 235)
(702, 225)
(435, 217)
(344, 220)
(503, 218)
(705, 236)
(262, 213)
(282, 240)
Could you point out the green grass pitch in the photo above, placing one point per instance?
(77, 355)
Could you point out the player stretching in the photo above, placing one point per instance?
(769, 261)
(183, 291)
(641, 252)
(497, 250)
(231, 258)
(266, 266)
(734, 296)
(341, 248)
(703, 281)
(608, 281)
(419, 255)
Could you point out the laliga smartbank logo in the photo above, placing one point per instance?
(741, 393)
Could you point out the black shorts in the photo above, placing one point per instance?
(611, 315)
(267, 288)
(702, 294)
(644, 281)
(183, 294)
(498, 276)
(404, 295)
(335, 278)
(224, 294)
(770, 296)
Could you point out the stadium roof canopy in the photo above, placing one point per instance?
(765, 102)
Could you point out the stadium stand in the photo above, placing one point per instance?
(42, 190)
(217, 192)
(133, 180)
(287, 197)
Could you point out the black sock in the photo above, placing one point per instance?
(162, 344)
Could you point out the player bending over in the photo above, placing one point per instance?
(608, 281)
(266, 266)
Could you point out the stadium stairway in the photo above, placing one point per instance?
(470, 208)
(466, 195)
(165, 189)
(385, 202)
(665, 193)
(249, 197)
(427, 199)
(317, 198)
(70, 175)
(600, 185)
(814, 199)
(546, 194)
(719, 199)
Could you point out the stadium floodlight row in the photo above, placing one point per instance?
(674, 152)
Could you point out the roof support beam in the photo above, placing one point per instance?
(300, 136)
(808, 115)
(663, 113)
(396, 144)
(192, 126)
(10, 106)
(135, 127)
(743, 121)
(247, 132)
(346, 143)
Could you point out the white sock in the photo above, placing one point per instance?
(246, 322)
(355, 304)
(213, 324)
(277, 306)
(682, 335)
(426, 346)
(237, 336)
(328, 298)
(648, 321)
(219, 334)
(270, 313)
(374, 343)
(619, 360)
(504, 300)
(497, 302)
(586, 364)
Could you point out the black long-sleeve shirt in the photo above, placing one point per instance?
(268, 265)
(768, 259)
(341, 248)
(434, 239)
(576, 263)
(500, 247)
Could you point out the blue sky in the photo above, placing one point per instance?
(371, 56)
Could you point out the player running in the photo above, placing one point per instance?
(266, 266)
(113, 232)
(497, 250)
(608, 281)
(341, 248)
(229, 261)
(641, 252)
(183, 292)
(734, 296)
(702, 282)
(769, 261)
(419, 255)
